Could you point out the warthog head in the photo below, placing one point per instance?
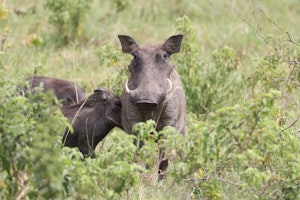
(92, 119)
(150, 71)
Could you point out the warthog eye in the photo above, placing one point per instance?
(135, 54)
(165, 55)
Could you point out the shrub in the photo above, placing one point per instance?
(29, 131)
(109, 56)
(239, 148)
(67, 16)
(208, 84)
(33, 164)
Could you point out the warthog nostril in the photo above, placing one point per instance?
(118, 103)
(146, 105)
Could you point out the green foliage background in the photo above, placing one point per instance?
(239, 65)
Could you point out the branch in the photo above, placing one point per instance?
(279, 28)
(292, 124)
(3, 44)
(219, 179)
(226, 181)
(257, 27)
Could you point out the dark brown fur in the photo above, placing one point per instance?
(65, 91)
(154, 90)
(92, 119)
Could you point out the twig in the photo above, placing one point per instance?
(225, 181)
(74, 118)
(3, 44)
(74, 74)
(12, 35)
(219, 179)
(278, 27)
(285, 86)
(257, 27)
(22, 193)
(292, 124)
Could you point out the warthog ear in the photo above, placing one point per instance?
(128, 44)
(99, 90)
(103, 93)
(172, 44)
(94, 98)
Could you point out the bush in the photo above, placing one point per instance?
(239, 148)
(29, 149)
(67, 16)
(33, 164)
(208, 84)
(110, 57)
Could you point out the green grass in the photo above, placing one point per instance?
(217, 24)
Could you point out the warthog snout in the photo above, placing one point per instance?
(147, 100)
(146, 104)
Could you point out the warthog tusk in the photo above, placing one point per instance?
(126, 87)
(170, 85)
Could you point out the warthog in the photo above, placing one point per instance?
(153, 90)
(92, 119)
(65, 91)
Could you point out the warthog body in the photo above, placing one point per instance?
(92, 119)
(153, 90)
(65, 91)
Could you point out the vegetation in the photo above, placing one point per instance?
(240, 68)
